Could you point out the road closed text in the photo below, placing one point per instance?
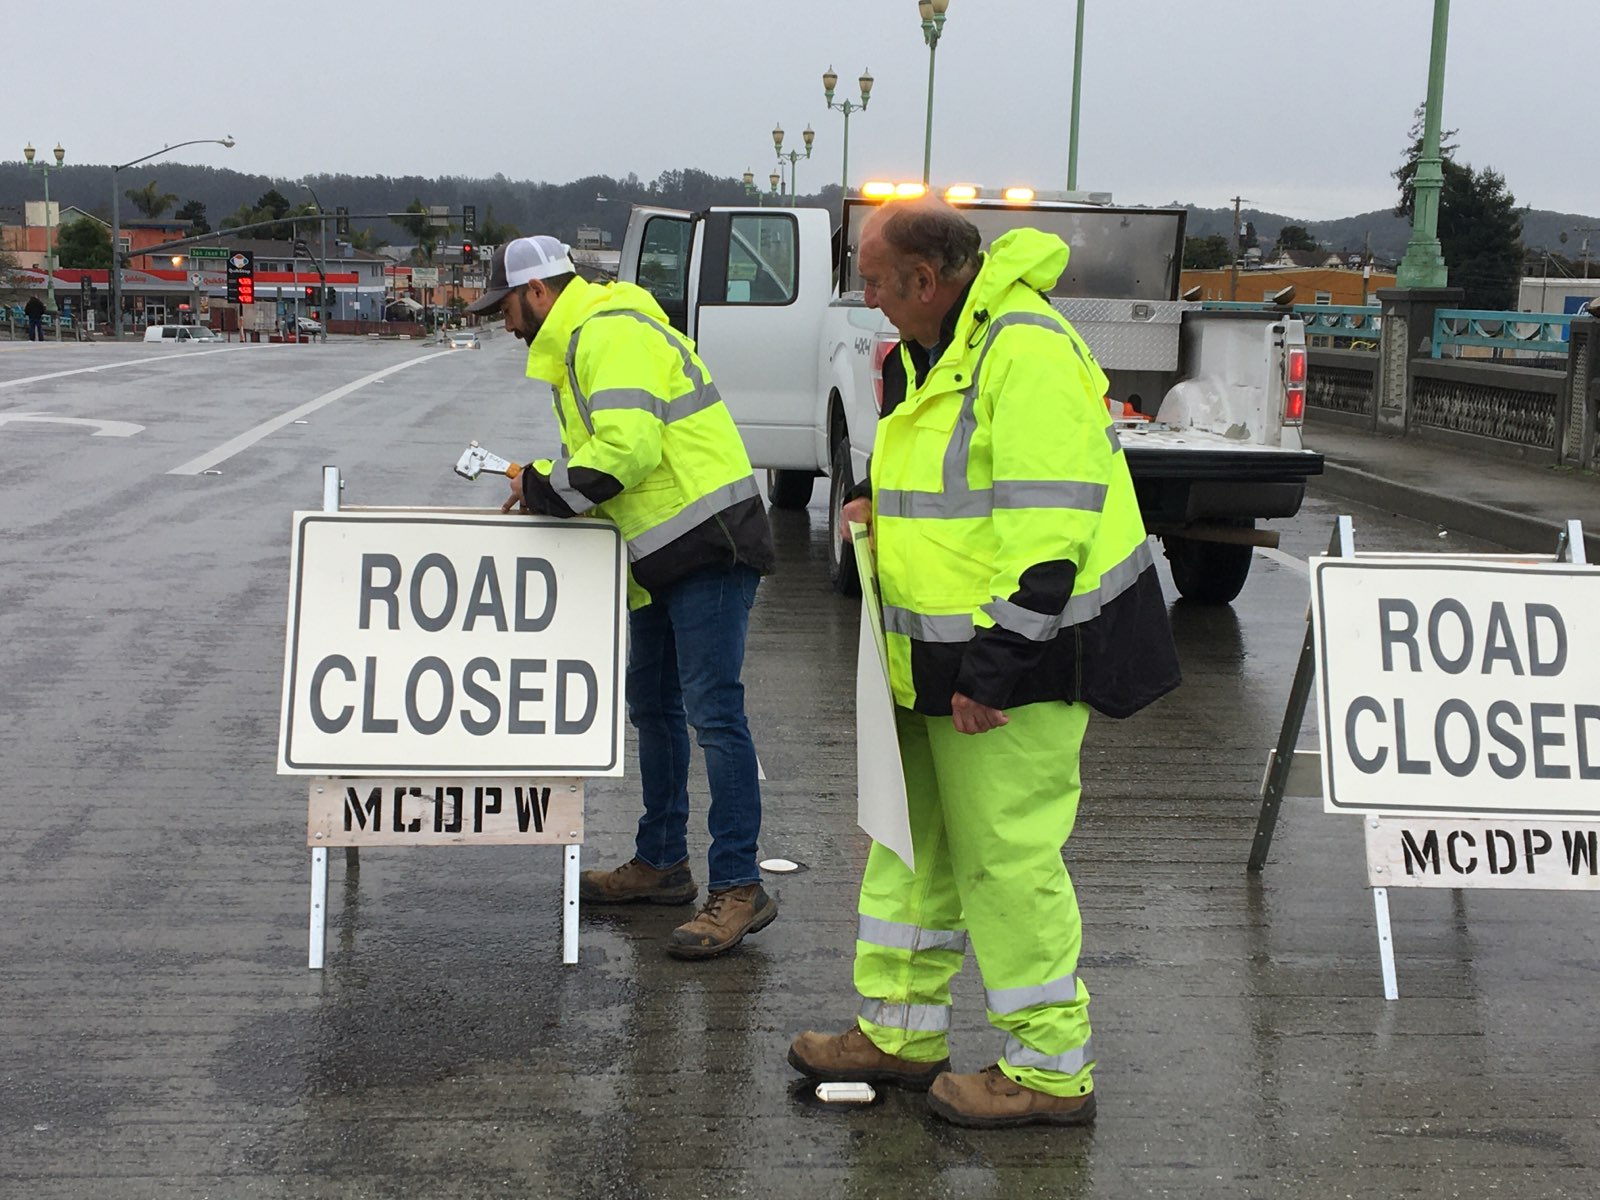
(1451, 689)
(1548, 740)
(467, 645)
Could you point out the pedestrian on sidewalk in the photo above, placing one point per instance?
(648, 444)
(34, 311)
(1018, 592)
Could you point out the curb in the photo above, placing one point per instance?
(1519, 531)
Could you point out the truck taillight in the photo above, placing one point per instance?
(884, 345)
(1294, 400)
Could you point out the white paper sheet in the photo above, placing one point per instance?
(880, 777)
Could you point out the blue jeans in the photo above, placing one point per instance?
(685, 651)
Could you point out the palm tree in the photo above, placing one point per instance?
(149, 201)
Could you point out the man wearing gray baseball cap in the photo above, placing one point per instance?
(648, 444)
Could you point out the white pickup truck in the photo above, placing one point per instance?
(1213, 399)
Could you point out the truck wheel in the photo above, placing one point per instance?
(790, 489)
(1207, 572)
(841, 555)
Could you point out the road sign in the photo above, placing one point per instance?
(1458, 687)
(453, 644)
(425, 276)
(208, 252)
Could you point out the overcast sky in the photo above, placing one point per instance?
(1300, 108)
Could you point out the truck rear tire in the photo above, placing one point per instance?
(1208, 572)
(841, 555)
(790, 489)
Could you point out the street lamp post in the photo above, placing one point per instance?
(49, 226)
(793, 155)
(932, 12)
(829, 81)
(1077, 91)
(1423, 265)
(750, 188)
(116, 222)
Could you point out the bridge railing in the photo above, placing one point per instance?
(1344, 326)
(1545, 333)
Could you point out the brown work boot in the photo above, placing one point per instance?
(635, 882)
(722, 922)
(991, 1100)
(852, 1057)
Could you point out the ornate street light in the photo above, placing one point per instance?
(829, 82)
(809, 135)
(932, 13)
(116, 221)
(49, 226)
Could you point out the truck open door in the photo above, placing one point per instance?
(736, 280)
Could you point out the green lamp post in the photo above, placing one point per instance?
(809, 135)
(829, 82)
(1424, 265)
(49, 225)
(932, 13)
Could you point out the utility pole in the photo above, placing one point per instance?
(1233, 283)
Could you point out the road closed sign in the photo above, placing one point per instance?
(427, 643)
(1461, 687)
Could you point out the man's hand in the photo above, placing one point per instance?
(859, 511)
(971, 717)
(515, 499)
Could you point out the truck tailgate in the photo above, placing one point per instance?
(1160, 451)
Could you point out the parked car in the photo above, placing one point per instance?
(463, 339)
(180, 334)
(307, 325)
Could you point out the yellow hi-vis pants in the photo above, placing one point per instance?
(990, 813)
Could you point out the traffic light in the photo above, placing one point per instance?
(469, 252)
(328, 297)
(469, 221)
(311, 294)
(342, 221)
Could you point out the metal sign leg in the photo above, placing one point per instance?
(1380, 908)
(569, 908)
(319, 906)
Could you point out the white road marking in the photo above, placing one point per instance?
(250, 437)
(101, 428)
(1283, 559)
(127, 362)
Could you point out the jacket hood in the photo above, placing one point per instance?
(1028, 256)
(580, 300)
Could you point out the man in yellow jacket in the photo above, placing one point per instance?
(1018, 592)
(648, 444)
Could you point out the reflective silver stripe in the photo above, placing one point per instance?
(960, 448)
(1009, 1000)
(572, 380)
(1049, 493)
(693, 513)
(954, 628)
(896, 936)
(938, 506)
(561, 484)
(1113, 582)
(914, 1018)
(1035, 626)
(1116, 442)
(1069, 1063)
(665, 411)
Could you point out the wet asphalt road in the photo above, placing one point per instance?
(160, 1035)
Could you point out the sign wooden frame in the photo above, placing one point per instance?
(387, 809)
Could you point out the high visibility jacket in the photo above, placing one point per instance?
(1013, 564)
(646, 440)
